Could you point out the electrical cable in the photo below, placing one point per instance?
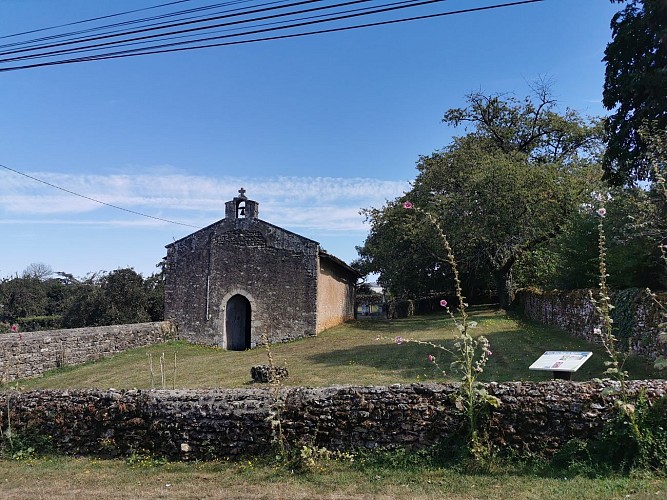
(94, 19)
(402, 4)
(117, 33)
(166, 38)
(152, 50)
(94, 200)
(173, 25)
(126, 23)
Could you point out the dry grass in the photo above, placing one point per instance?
(347, 354)
(53, 478)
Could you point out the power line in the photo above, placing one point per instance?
(163, 49)
(189, 30)
(164, 36)
(94, 200)
(95, 19)
(139, 41)
(123, 23)
(166, 26)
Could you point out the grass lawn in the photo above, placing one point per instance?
(361, 352)
(347, 354)
(61, 477)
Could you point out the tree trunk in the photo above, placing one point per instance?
(504, 287)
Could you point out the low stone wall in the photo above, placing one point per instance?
(197, 424)
(30, 354)
(636, 316)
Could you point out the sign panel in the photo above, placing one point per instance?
(561, 361)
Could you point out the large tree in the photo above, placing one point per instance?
(498, 192)
(635, 87)
(408, 257)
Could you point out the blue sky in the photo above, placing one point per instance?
(314, 128)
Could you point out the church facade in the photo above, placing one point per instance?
(242, 279)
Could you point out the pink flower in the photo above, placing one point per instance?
(398, 340)
(431, 358)
(602, 212)
(408, 205)
(443, 303)
(14, 328)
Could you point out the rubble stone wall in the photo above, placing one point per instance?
(206, 424)
(637, 316)
(30, 354)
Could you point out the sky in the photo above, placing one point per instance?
(314, 128)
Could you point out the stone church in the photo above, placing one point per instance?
(241, 278)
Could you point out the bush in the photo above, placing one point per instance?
(635, 439)
(38, 323)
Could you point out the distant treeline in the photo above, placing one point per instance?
(40, 299)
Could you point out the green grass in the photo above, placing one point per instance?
(61, 477)
(348, 354)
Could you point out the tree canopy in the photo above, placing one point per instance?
(634, 87)
(36, 301)
(498, 192)
(633, 237)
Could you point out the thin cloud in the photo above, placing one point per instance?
(94, 223)
(317, 203)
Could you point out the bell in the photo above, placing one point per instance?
(242, 212)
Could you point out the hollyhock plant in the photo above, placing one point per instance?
(603, 306)
(469, 354)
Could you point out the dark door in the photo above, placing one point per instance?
(237, 323)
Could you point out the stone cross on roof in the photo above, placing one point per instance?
(242, 193)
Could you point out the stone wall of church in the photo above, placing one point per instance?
(335, 295)
(186, 285)
(274, 269)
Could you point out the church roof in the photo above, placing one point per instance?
(227, 221)
(231, 217)
(326, 255)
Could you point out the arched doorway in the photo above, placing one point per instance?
(237, 324)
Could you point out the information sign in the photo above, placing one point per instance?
(561, 361)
